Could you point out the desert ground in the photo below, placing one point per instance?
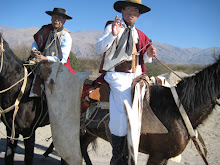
(210, 131)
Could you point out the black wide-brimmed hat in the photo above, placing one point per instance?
(137, 3)
(59, 11)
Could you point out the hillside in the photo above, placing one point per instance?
(84, 44)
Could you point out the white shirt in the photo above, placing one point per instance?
(119, 82)
(66, 45)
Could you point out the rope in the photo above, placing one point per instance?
(92, 119)
(186, 119)
(103, 119)
(54, 40)
(168, 68)
(18, 101)
(12, 107)
(150, 42)
(189, 126)
(16, 105)
(17, 81)
(33, 126)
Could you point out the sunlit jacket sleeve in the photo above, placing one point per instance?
(105, 41)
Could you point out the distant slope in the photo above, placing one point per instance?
(84, 46)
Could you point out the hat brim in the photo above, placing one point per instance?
(64, 15)
(120, 4)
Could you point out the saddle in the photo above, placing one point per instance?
(150, 122)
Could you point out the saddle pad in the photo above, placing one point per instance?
(150, 122)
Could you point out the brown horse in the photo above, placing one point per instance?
(32, 113)
(198, 95)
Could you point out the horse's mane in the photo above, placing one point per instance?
(200, 89)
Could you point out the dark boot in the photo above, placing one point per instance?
(119, 151)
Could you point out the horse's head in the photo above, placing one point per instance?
(4, 47)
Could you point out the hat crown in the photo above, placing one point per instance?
(134, 1)
(59, 10)
(119, 5)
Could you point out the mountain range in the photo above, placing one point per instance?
(84, 46)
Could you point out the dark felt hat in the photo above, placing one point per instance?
(59, 11)
(137, 3)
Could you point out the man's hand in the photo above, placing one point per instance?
(151, 51)
(35, 52)
(116, 26)
(40, 58)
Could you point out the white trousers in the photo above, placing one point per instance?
(120, 85)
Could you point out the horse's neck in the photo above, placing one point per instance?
(12, 71)
(197, 98)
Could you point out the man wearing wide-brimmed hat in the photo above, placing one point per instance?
(125, 49)
(53, 42)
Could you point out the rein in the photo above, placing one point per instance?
(189, 127)
(186, 120)
(17, 101)
(5, 90)
(16, 105)
(169, 68)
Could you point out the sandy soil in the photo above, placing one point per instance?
(210, 131)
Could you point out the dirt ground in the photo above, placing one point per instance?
(210, 131)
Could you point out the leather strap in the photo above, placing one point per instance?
(189, 126)
(134, 58)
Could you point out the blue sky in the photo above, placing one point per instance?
(182, 23)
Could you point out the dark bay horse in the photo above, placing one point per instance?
(32, 113)
(198, 95)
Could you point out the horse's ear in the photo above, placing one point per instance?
(1, 38)
(1, 43)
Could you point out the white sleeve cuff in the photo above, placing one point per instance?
(147, 59)
(52, 59)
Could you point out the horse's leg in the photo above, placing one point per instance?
(85, 140)
(49, 150)
(29, 149)
(10, 149)
(157, 160)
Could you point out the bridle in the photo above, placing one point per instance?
(15, 106)
(1, 53)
